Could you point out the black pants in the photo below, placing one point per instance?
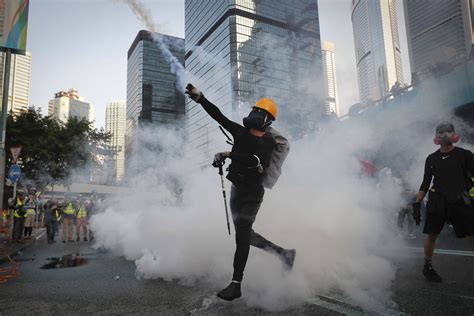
(244, 204)
(18, 225)
(51, 230)
(28, 231)
(406, 212)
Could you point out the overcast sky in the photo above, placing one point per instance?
(84, 43)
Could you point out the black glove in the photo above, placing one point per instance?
(220, 157)
(417, 213)
(193, 92)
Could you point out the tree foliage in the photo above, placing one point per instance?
(53, 150)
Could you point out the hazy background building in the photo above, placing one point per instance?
(115, 123)
(68, 104)
(377, 47)
(243, 50)
(152, 97)
(330, 85)
(439, 34)
(20, 74)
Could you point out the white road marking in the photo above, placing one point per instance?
(327, 303)
(41, 235)
(446, 252)
(345, 308)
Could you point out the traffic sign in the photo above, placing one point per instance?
(14, 173)
(16, 152)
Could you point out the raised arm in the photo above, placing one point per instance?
(213, 111)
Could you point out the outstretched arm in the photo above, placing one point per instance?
(213, 110)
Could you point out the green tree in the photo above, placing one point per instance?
(53, 150)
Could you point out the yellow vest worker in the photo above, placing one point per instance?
(82, 212)
(19, 209)
(69, 210)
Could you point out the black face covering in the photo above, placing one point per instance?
(257, 119)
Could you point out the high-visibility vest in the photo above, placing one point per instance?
(30, 211)
(19, 205)
(69, 210)
(82, 212)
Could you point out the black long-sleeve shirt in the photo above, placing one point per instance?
(243, 170)
(449, 172)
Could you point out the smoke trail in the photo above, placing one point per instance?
(142, 13)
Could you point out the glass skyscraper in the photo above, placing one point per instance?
(439, 33)
(20, 74)
(330, 84)
(152, 97)
(377, 47)
(241, 50)
(115, 122)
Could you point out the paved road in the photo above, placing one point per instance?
(92, 288)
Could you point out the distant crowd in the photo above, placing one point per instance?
(73, 212)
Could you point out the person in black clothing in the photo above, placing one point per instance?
(51, 215)
(450, 168)
(250, 156)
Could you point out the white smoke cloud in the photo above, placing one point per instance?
(340, 221)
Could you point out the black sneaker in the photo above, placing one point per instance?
(430, 274)
(85, 239)
(78, 239)
(231, 292)
(288, 258)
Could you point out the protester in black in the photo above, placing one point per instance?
(450, 168)
(51, 215)
(250, 156)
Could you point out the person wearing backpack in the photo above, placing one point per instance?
(251, 155)
(450, 168)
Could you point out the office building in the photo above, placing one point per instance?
(152, 97)
(20, 74)
(439, 34)
(330, 84)
(68, 104)
(377, 48)
(240, 51)
(115, 124)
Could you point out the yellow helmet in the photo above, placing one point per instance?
(268, 105)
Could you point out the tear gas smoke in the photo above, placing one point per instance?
(142, 13)
(341, 222)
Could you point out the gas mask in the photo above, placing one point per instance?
(445, 134)
(257, 119)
